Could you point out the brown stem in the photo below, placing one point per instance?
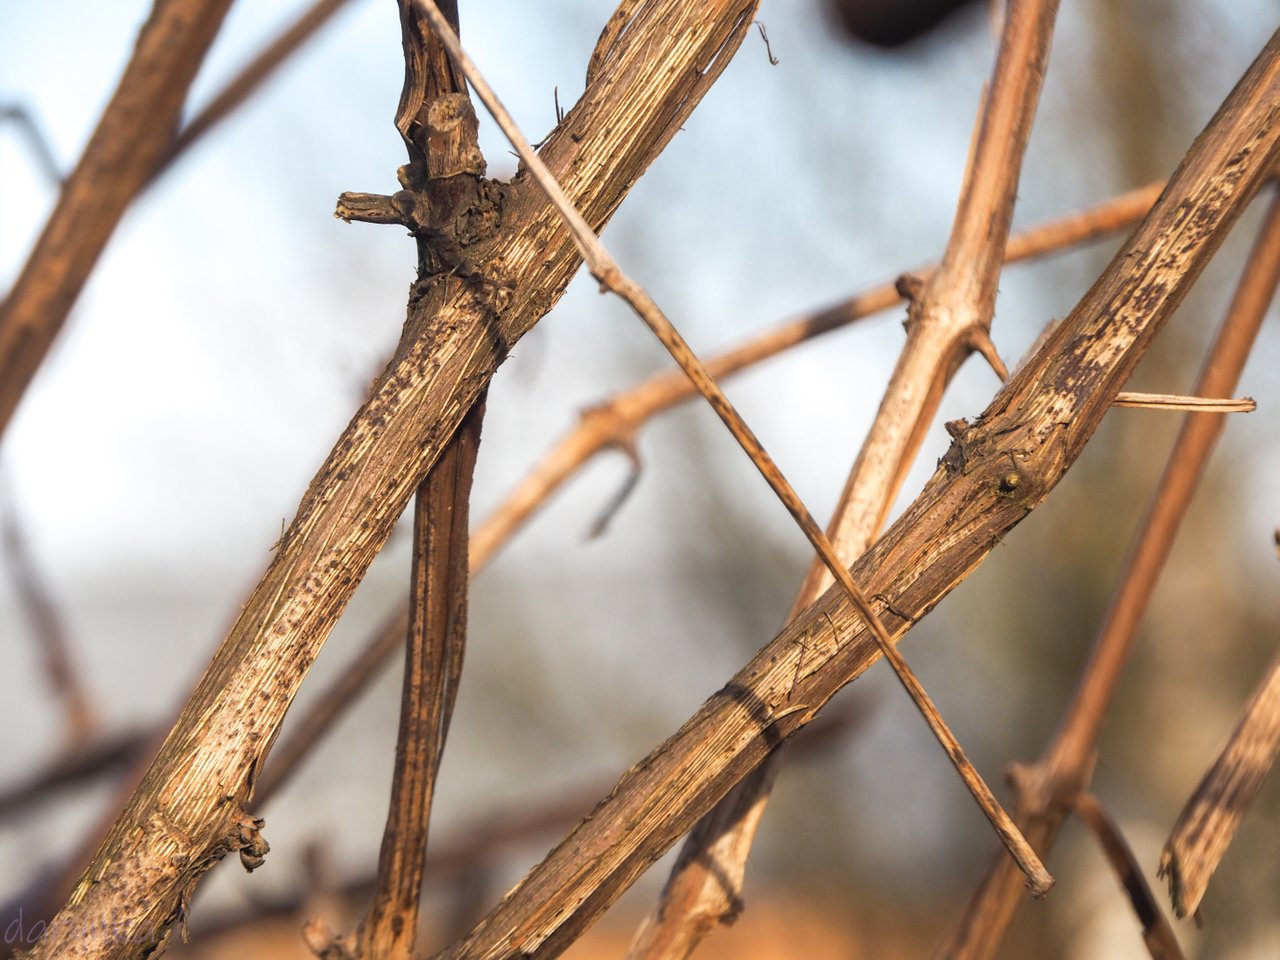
(1065, 767)
(50, 635)
(136, 129)
(433, 667)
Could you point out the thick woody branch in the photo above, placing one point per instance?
(128, 146)
(1065, 768)
(514, 260)
(997, 470)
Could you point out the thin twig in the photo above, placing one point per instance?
(1158, 936)
(1170, 401)
(35, 137)
(607, 272)
(1065, 767)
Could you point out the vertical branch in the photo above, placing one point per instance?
(950, 315)
(433, 666)
(1047, 789)
(136, 129)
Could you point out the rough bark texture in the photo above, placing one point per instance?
(997, 470)
(508, 260)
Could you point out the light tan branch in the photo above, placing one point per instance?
(1170, 401)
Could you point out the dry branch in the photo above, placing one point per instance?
(49, 634)
(1065, 767)
(950, 316)
(997, 470)
(135, 131)
(512, 259)
(1204, 830)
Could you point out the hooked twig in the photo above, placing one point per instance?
(607, 272)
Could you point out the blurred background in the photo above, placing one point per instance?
(233, 326)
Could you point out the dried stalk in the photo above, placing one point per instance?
(1157, 935)
(997, 470)
(614, 423)
(1204, 830)
(1064, 769)
(606, 270)
(136, 129)
(510, 261)
(949, 317)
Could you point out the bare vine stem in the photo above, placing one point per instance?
(610, 276)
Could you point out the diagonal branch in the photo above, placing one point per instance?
(1065, 768)
(998, 469)
(950, 315)
(606, 270)
(136, 129)
(1200, 839)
